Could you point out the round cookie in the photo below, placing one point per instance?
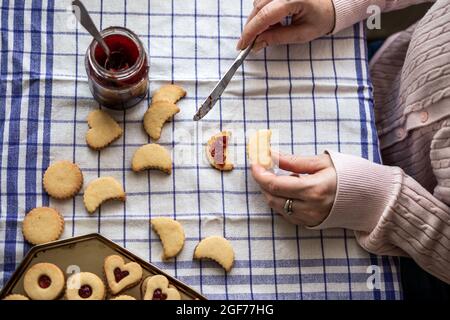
(85, 286)
(63, 179)
(15, 296)
(42, 225)
(43, 281)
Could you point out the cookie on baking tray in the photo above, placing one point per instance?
(258, 148)
(100, 190)
(123, 297)
(169, 93)
(171, 233)
(62, 179)
(216, 248)
(15, 296)
(42, 225)
(217, 151)
(121, 275)
(85, 286)
(44, 281)
(152, 156)
(158, 288)
(103, 130)
(157, 115)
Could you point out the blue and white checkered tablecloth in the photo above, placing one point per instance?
(314, 96)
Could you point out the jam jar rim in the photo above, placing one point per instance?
(120, 75)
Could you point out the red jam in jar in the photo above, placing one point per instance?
(119, 81)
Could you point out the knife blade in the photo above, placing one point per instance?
(220, 87)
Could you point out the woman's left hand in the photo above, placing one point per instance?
(312, 194)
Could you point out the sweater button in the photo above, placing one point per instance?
(400, 133)
(424, 116)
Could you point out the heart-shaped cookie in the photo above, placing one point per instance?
(158, 288)
(103, 130)
(121, 275)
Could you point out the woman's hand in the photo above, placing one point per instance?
(311, 19)
(312, 194)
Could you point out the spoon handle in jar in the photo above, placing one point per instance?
(84, 18)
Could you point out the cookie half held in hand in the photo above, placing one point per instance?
(42, 225)
(101, 190)
(103, 130)
(121, 275)
(62, 179)
(258, 148)
(169, 93)
(171, 233)
(158, 288)
(85, 286)
(152, 157)
(217, 151)
(216, 248)
(44, 281)
(157, 115)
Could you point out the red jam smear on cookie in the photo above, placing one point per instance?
(85, 291)
(44, 281)
(159, 295)
(119, 274)
(217, 150)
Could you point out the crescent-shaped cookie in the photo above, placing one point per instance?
(259, 148)
(159, 113)
(101, 190)
(171, 233)
(217, 151)
(216, 248)
(103, 130)
(152, 156)
(169, 93)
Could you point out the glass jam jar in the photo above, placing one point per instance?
(121, 81)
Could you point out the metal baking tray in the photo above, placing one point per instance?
(88, 253)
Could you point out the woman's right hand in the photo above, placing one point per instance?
(311, 19)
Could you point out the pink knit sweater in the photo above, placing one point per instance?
(402, 207)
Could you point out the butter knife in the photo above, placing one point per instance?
(220, 87)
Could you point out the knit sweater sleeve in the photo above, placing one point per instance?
(349, 12)
(391, 213)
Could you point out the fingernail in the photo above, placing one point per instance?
(239, 44)
(259, 46)
(257, 168)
